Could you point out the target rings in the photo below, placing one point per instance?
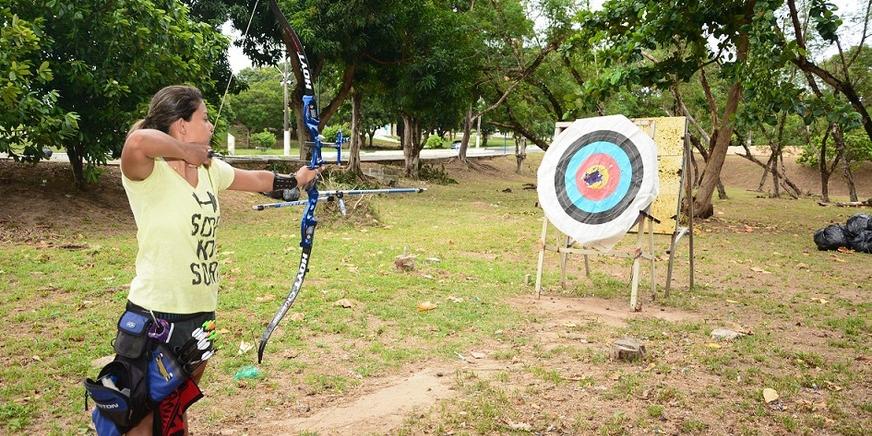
(598, 176)
(595, 178)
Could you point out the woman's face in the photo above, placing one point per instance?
(199, 129)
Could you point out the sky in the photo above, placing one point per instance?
(849, 33)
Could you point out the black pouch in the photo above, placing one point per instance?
(132, 337)
(119, 393)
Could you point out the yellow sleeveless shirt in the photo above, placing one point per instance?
(176, 225)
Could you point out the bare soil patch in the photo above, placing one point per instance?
(561, 310)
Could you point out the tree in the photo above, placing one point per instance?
(827, 24)
(30, 117)
(433, 82)
(259, 106)
(511, 53)
(108, 81)
(624, 30)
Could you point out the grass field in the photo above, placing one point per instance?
(510, 364)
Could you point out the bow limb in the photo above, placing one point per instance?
(308, 222)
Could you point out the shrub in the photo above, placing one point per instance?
(265, 139)
(329, 132)
(435, 141)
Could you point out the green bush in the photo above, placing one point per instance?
(435, 141)
(265, 139)
(329, 133)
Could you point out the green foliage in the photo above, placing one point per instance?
(330, 132)
(101, 65)
(435, 141)
(826, 22)
(857, 143)
(264, 139)
(258, 107)
(30, 117)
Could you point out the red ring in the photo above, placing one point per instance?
(591, 191)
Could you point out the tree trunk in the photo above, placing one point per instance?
(822, 165)
(722, 193)
(347, 81)
(765, 175)
(520, 153)
(776, 190)
(794, 190)
(371, 134)
(464, 140)
(354, 154)
(401, 132)
(703, 207)
(74, 152)
(412, 145)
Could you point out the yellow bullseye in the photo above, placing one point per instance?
(596, 176)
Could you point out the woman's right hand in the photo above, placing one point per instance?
(197, 154)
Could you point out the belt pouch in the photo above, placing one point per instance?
(132, 336)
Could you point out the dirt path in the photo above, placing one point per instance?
(385, 405)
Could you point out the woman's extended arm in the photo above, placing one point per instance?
(144, 145)
(265, 181)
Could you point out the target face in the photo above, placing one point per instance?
(594, 175)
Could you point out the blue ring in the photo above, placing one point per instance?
(595, 206)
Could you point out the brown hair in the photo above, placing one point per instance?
(168, 105)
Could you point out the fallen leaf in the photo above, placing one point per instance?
(477, 355)
(802, 266)
(832, 386)
(346, 303)
(760, 270)
(37, 358)
(713, 346)
(820, 300)
(425, 306)
(844, 250)
(244, 347)
(519, 426)
(732, 302)
(769, 395)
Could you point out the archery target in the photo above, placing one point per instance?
(595, 178)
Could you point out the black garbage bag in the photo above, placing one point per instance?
(831, 237)
(858, 223)
(862, 242)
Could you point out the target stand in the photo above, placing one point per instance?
(601, 179)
